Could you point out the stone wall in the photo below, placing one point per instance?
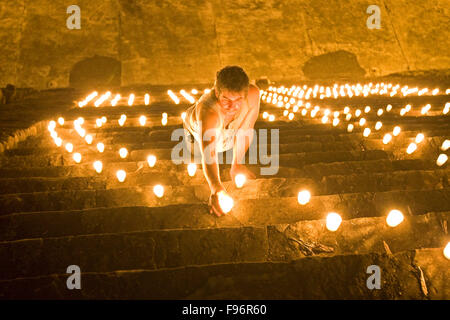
(176, 42)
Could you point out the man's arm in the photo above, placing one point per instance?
(209, 122)
(240, 149)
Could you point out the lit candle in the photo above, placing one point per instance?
(304, 197)
(225, 201)
(442, 159)
(239, 180)
(151, 160)
(192, 168)
(394, 218)
(98, 166)
(121, 175)
(158, 190)
(411, 148)
(123, 152)
(333, 221)
(387, 138)
(100, 147)
(77, 157)
(419, 138)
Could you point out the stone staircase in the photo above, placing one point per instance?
(130, 244)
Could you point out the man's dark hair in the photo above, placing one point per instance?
(232, 78)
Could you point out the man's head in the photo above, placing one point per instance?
(231, 88)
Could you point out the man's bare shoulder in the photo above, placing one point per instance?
(253, 96)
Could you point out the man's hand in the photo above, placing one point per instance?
(214, 206)
(241, 169)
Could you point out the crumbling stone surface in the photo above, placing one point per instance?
(176, 42)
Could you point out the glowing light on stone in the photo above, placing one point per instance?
(333, 221)
(58, 142)
(80, 120)
(362, 122)
(99, 122)
(142, 120)
(435, 92)
(403, 112)
(191, 168)
(408, 108)
(115, 100)
(378, 125)
(303, 197)
(103, 119)
(304, 112)
(420, 137)
(100, 147)
(61, 121)
(265, 115)
(174, 97)
(77, 157)
(348, 116)
(324, 119)
(285, 113)
(335, 122)
(380, 112)
(387, 138)
(411, 148)
(445, 145)
(123, 152)
(147, 99)
(291, 116)
(425, 109)
(346, 110)
(54, 135)
(187, 96)
(388, 107)
(194, 91)
(367, 109)
(151, 160)
(121, 175)
(366, 132)
(88, 139)
(394, 218)
(164, 121)
(239, 180)
(447, 251)
(131, 99)
(98, 166)
(69, 147)
(158, 190)
(442, 159)
(446, 108)
(271, 118)
(350, 127)
(396, 131)
(225, 201)
(357, 113)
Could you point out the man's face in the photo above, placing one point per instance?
(230, 101)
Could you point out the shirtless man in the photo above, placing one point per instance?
(231, 107)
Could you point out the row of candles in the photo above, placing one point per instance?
(132, 98)
(282, 101)
(306, 92)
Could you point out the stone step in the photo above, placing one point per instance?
(315, 171)
(345, 277)
(267, 208)
(159, 249)
(331, 184)
(290, 159)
